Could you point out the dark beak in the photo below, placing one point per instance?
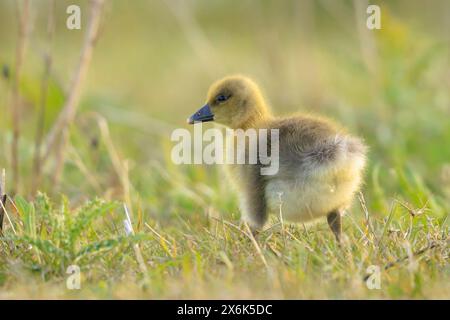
(204, 114)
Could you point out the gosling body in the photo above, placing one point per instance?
(320, 168)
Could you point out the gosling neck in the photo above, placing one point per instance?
(258, 116)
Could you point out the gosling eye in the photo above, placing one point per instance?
(221, 98)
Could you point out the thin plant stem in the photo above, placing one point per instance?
(24, 26)
(36, 176)
(68, 112)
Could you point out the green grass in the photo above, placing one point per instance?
(208, 256)
(186, 218)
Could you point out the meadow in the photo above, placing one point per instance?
(70, 184)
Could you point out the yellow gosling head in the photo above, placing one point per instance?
(234, 101)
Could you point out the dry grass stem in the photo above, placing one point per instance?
(24, 28)
(68, 112)
(36, 175)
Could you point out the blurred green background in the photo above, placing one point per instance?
(154, 61)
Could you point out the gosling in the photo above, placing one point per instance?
(320, 164)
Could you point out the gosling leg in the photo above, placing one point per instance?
(334, 221)
(253, 203)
